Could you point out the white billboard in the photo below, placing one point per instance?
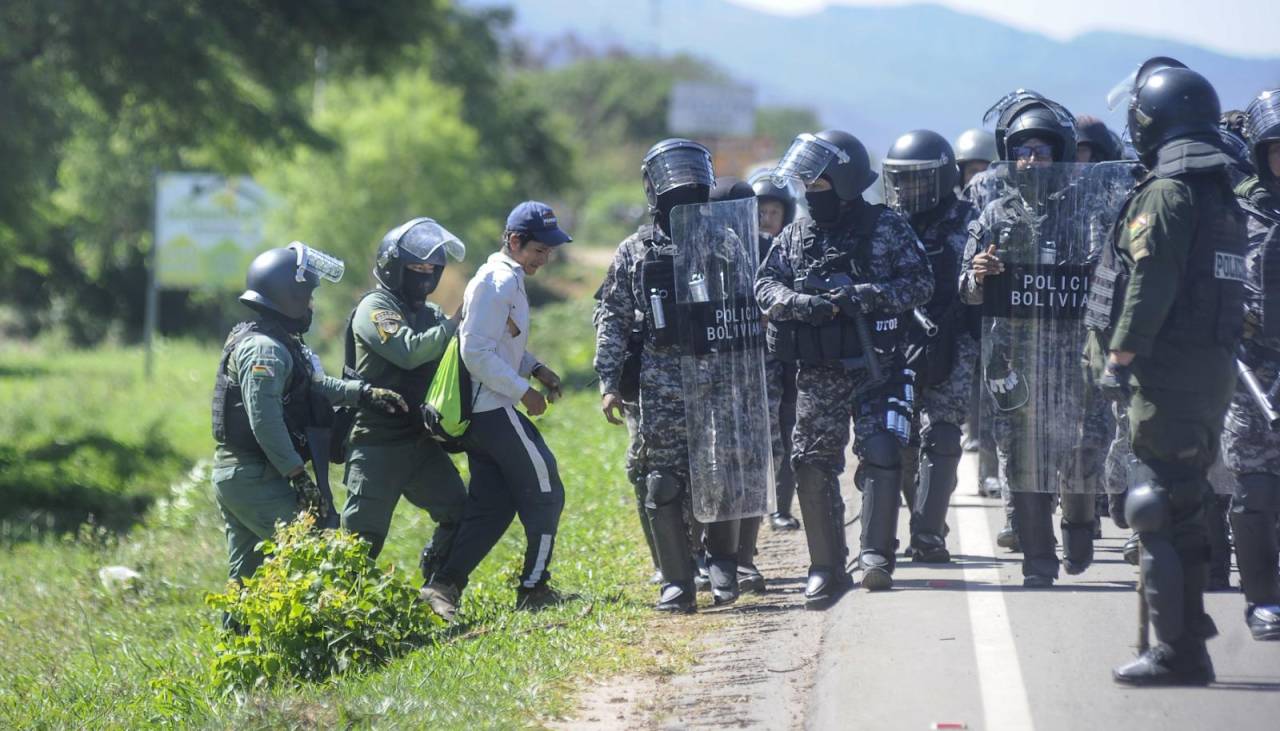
(208, 228)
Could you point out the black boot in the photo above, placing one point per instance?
(1219, 544)
(749, 577)
(1078, 529)
(671, 541)
(722, 540)
(938, 466)
(823, 510)
(1035, 534)
(880, 487)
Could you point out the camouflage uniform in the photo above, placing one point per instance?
(940, 409)
(892, 277)
(1251, 449)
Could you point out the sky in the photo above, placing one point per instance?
(1236, 27)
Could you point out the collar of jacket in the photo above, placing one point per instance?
(1189, 156)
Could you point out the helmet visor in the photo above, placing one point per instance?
(1008, 100)
(912, 188)
(1122, 93)
(677, 167)
(1263, 117)
(316, 263)
(423, 238)
(806, 159)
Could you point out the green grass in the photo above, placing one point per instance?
(76, 654)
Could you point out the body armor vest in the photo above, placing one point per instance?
(231, 420)
(1262, 291)
(1210, 306)
(657, 289)
(796, 341)
(932, 358)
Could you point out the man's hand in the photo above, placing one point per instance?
(310, 499)
(1114, 382)
(533, 402)
(382, 399)
(551, 380)
(611, 405)
(816, 309)
(986, 262)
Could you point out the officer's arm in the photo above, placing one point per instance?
(263, 367)
(615, 315)
(774, 281)
(337, 391)
(910, 282)
(978, 239)
(1157, 235)
(383, 331)
(488, 307)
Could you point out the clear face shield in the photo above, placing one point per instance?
(315, 263)
(806, 160)
(423, 238)
(679, 166)
(912, 186)
(1017, 95)
(1262, 116)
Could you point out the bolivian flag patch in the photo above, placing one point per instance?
(262, 370)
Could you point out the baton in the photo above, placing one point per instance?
(868, 347)
(1258, 394)
(929, 326)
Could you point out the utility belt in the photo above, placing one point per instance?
(792, 341)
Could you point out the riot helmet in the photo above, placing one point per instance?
(975, 145)
(1262, 128)
(919, 172)
(675, 172)
(280, 281)
(833, 154)
(730, 189)
(767, 190)
(1172, 103)
(1104, 144)
(1023, 114)
(1123, 92)
(414, 242)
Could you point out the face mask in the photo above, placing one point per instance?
(417, 285)
(682, 196)
(824, 207)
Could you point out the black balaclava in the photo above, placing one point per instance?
(681, 196)
(825, 207)
(415, 286)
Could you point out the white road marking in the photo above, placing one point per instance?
(1004, 695)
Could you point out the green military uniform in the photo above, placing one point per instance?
(391, 455)
(249, 483)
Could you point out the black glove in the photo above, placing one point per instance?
(1115, 506)
(310, 499)
(382, 399)
(815, 309)
(1114, 382)
(847, 299)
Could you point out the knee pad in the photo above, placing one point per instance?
(943, 440)
(1256, 492)
(663, 489)
(1147, 508)
(882, 450)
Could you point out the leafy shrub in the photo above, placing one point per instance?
(317, 607)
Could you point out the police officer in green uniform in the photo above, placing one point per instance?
(272, 402)
(397, 339)
(1166, 312)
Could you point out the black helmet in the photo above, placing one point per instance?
(1261, 128)
(282, 280)
(1094, 132)
(1238, 150)
(731, 189)
(675, 163)
(1123, 92)
(833, 153)
(919, 172)
(417, 241)
(1025, 114)
(1172, 103)
(766, 189)
(975, 144)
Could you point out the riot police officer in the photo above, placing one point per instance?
(778, 210)
(1166, 304)
(830, 281)
(1251, 448)
(942, 348)
(975, 150)
(272, 406)
(396, 339)
(674, 172)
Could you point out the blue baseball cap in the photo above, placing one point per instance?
(539, 221)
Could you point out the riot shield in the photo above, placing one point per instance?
(1049, 225)
(722, 362)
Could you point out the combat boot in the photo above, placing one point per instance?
(939, 464)
(823, 511)
(749, 577)
(1186, 662)
(879, 526)
(677, 599)
(1263, 621)
(443, 598)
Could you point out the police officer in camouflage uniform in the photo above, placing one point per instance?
(975, 150)
(1166, 302)
(777, 211)
(1037, 132)
(397, 339)
(830, 281)
(1251, 446)
(942, 348)
(674, 172)
(272, 405)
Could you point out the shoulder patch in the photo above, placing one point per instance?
(1137, 229)
(261, 370)
(387, 322)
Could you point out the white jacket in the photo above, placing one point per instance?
(494, 332)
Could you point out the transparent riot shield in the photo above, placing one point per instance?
(1049, 225)
(722, 367)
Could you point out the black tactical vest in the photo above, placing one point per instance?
(1210, 306)
(657, 290)
(231, 421)
(795, 341)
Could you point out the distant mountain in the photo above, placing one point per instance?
(880, 71)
